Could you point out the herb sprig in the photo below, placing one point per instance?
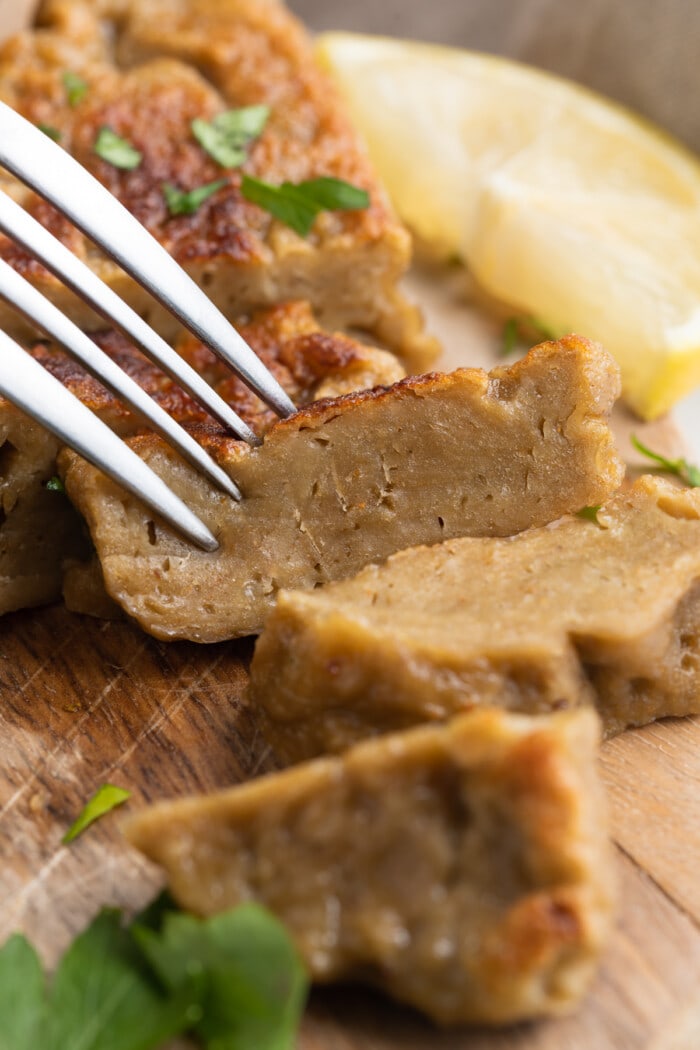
(116, 150)
(180, 202)
(298, 204)
(226, 138)
(682, 469)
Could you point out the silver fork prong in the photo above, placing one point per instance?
(40, 163)
(23, 297)
(25, 230)
(35, 391)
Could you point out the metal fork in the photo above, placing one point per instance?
(43, 165)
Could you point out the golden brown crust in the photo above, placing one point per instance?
(463, 868)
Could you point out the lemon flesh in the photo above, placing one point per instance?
(564, 205)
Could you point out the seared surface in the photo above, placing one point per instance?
(463, 868)
(40, 532)
(352, 480)
(572, 614)
(152, 66)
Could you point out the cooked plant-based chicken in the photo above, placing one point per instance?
(351, 480)
(604, 612)
(145, 70)
(463, 868)
(41, 533)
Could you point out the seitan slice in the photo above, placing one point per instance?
(464, 869)
(151, 68)
(352, 480)
(43, 542)
(579, 612)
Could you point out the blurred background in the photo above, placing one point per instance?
(646, 53)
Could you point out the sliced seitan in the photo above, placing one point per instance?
(151, 67)
(463, 868)
(576, 613)
(42, 538)
(351, 480)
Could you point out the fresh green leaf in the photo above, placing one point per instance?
(227, 136)
(48, 129)
(104, 998)
(589, 514)
(116, 150)
(55, 484)
(541, 329)
(246, 970)
(509, 337)
(106, 798)
(688, 472)
(181, 203)
(75, 87)
(22, 996)
(297, 205)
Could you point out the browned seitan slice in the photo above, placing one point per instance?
(580, 612)
(463, 868)
(351, 480)
(41, 533)
(152, 67)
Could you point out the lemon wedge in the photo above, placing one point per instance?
(564, 205)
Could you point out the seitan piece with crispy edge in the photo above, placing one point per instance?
(351, 480)
(462, 868)
(581, 612)
(151, 67)
(42, 538)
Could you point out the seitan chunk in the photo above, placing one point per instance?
(575, 613)
(463, 868)
(151, 68)
(354, 479)
(43, 542)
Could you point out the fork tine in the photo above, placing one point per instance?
(21, 227)
(44, 166)
(26, 384)
(20, 294)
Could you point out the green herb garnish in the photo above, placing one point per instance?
(116, 150)
(297, 205)
(589, 514)
(48, 129)
(540, 328)
(106, 798)
(688, 473)
(55, 484)
(509, 337)
(76, 88)
(227, 136)
(234, 981)
(181, 203)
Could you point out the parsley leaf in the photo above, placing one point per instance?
(54, 484)
(52, 132)
(297, 205)
(106, 798)
(227, 136)
(116, 150)
(249, 976)
(181, 203)
(589, 514)
(22, 995)
(688, 472)
(75, 87)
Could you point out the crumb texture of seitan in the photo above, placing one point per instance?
(351, 480)
(578, 613)
(150, 68)
(463, 868)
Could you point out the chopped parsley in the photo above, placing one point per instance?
(226, 138)
(684, 470)
(55, 484)
(106, 798)
(297, 205)
(75, 87)
(234, 980)
(52, 132)
(116, 150)
(181, 203)
(589, 514)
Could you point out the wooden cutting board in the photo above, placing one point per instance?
(84, 701)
